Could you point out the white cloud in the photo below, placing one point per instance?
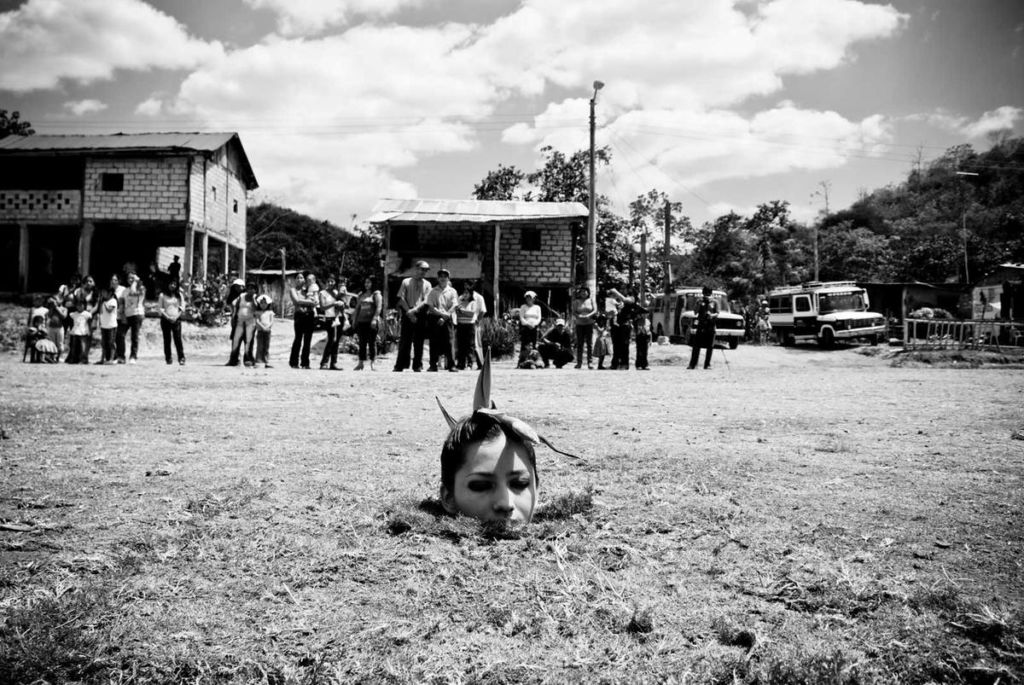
(335, 121)
(150, 107)
(307, 17)
(80, 107)
(1001, 119)
(46, 41)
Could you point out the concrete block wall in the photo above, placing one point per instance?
(550, 265)
(218, 199)
(449, 238)
(40, 205)
(154, 189)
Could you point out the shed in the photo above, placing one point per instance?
(508, 247)
(1000, 293)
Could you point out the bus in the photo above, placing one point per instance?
(729, 327)
(823, 313)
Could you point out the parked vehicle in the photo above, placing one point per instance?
(729, 327)
(823, 313)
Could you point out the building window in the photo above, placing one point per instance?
(234, 207)
(214, 189)
(405, 238)
(113, 183)
(530, 239)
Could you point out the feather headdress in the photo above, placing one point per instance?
(482, 404)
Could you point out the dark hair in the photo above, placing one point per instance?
(706, 290)
(476, 427)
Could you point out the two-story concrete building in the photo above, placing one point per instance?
(90, 204)
(509, 247)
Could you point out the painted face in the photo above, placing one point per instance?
(495, 483)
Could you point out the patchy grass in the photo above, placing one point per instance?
(796, 517)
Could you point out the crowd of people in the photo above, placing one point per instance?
(64, 324)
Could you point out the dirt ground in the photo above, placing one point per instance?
(784, 507)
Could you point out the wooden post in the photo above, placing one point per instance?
(666, 311)
(284, 279)
(643, 269)
(205, 263)
(23, 256)
(496, 281)
(85, 247)
(190, 251)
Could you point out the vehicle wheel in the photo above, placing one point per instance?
(827, 339)
(734, 343)
(875, 339)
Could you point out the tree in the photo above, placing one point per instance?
(13, 126)
(502, 184)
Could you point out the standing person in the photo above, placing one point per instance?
(81, 332)
(703, 335)
(134, 297)
(467, 319)
(643, 338)
(366, 318)
(264, 322)
(441, 302)
(622, 330)
(305, 322)
(412, 305)
(331, 309)
(584, 312)
(529, 320)
(108, 326)
(174, 271)
(56, 314)
(244, 316)
(171, 306)
(119, 343)
(763, 325)
(602, 346)
(556, 346)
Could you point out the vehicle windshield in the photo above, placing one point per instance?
(692, 299)
(841, 302)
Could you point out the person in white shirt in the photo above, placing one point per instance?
(529, 320)
(412, 305)
(81, 334)
(441, 302)
(133, 298)
(108, 326)
(468, 311)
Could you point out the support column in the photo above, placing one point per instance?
(205, 255)
(85, 248)
(227, 258)
(190, 242)
(23, 257)
(241, 266)
(497, 270)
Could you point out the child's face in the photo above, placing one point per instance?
(494, 483)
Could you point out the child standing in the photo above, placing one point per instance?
(264, 321)
(643, 341)
(81, 334)
(56, 313)
(602, 346)
(108, 326)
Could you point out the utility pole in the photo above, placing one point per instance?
(826, 186)
(643, 268)
(284, 280)
(668, 266)
(591, 256)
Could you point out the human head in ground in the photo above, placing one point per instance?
(489, 470)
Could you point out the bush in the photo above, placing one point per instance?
(501, 335)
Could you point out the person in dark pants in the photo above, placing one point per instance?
(305, 322)
(441, 302)
(412, 305)
(171, 306)
(556, 346)
(643, 338)
(622, 329)
(703, 335)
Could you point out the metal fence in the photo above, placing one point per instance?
(969, 334)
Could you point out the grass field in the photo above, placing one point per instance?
(793, 516)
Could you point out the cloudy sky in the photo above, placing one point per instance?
(723, 104)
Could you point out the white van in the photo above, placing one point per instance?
(823, 313)
(729, 327)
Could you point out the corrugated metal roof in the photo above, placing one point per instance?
(128, 142)
(477, 211)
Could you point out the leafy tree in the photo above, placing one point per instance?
(13, 125)
(319, 246)
(504, 183)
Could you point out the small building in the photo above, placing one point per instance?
(1000, 294)
(90, 204)
(508, 247)
(275, 284)
(897, 300)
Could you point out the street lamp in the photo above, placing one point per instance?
(591, 255)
